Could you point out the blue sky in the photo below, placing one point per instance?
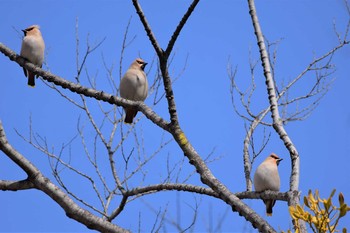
(217, 33)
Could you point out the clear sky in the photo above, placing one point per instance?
(218, 33)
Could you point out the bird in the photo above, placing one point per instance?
(32, 49)
(266, 177)
(134, 86)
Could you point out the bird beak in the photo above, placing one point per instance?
(24, 31)
(278, 161)
(144, 65)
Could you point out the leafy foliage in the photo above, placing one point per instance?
(320, 214)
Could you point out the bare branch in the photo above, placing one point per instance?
(120, 208)
(58, 161)
(45, 185)
(10, 185)
(179, 27)
(277, 123)
(125, 44)
(163, 56)
(194, 158)
(147, 28)
(135, 158)
(88, 92)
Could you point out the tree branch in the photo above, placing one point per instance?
(179, 27)
(141, 191)
(205, 191)
(44, 184)
(163, 60)
(88, 92)
(317, 90)
(10, 185)
(277, 122)
(194, 158)
(148, 29)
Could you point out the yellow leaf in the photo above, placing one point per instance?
(342, 210)
(305, 216)
(341, 199)
(300, 209)
(306, 202)
(311, 197)
(332, 228)
(293, 213)
(327, 204)
(314, 220)
(332, 194)
(317, 194)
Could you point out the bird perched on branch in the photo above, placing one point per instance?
(33, 47)
(134, 86)
(266, 178)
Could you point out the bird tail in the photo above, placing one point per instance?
(129, 117)
(269, 204)
(31, 79)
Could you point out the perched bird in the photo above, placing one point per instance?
(33, 47)
(134, 86)
(266, 178)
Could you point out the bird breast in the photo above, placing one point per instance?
(134, 85)
(266, 178)
(33, 50)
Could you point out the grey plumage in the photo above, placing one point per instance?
(134, 86)
(266, 177)
(32, 49)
